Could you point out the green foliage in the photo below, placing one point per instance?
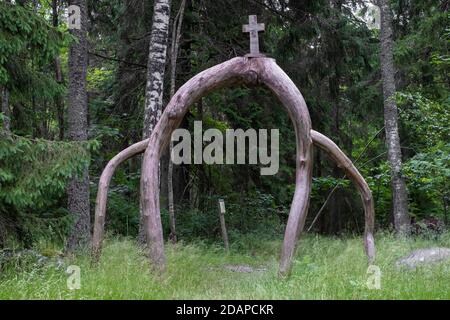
(34, 171)
(28, 48)
(33, 180)
(422, 48)
(123, 204)
(428, 181)
(255, 213)
(24, 36)
(426, 120)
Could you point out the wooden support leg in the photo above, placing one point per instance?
(298, 213)
(102, 193)
(151, 211)
(346, 164)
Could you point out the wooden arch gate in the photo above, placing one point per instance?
(239, 70)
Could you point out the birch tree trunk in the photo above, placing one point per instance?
(155, 76)
(176, 35)
(77, 130)
(400, 201)
(156, 65)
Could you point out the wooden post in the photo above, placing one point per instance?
(223, 226)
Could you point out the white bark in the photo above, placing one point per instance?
(156, 65)
(155, 75)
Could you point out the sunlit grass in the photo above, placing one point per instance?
(324, 268)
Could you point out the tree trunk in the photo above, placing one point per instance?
(77, 130)
(59, 101)
(176, 35)
(335, 217)
(5, 110)
(155, 77)
(400, 201)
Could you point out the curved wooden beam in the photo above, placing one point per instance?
(102, 193)
(319, 140)
(235, 71)
(346, 164)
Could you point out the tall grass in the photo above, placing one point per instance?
(324, 268)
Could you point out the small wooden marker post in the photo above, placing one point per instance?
(253, 28)
(222, 224)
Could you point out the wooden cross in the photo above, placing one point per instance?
(253, 28)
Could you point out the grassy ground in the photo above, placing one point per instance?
(325, 268)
